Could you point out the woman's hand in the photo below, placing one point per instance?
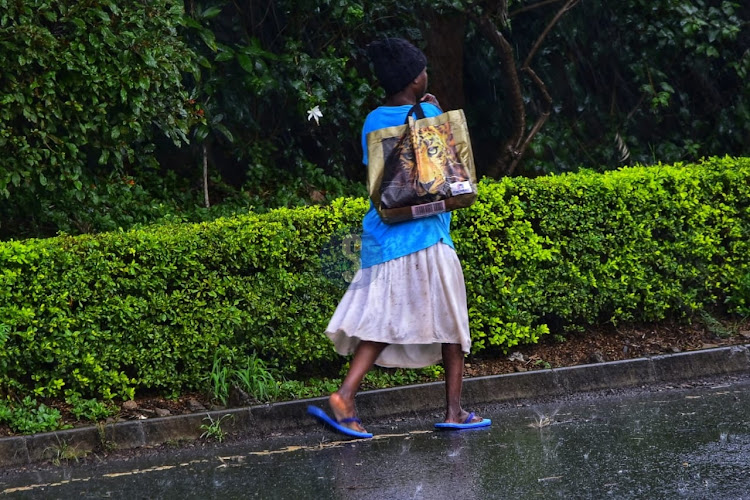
(431, 99)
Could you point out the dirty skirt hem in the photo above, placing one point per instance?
(414, 303)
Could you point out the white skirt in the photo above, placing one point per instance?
(414, 303)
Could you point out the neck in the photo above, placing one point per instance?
(403, 97)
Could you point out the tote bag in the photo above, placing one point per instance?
(421, 168)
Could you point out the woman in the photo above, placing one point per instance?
(408, 306)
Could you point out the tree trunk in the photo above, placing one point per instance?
(444, 37)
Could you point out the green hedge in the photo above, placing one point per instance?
(638, 244)
(107, 314)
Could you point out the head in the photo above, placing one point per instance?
(398, 65)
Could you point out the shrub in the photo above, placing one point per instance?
(638, 244)
(104, 315)
(84, 87)
(29, 417)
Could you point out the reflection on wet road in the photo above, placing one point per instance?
(676, 443)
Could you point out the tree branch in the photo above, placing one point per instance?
(568, 5)
(509, 149)
(537, 126)
(511, 152)
(527, 8)
(539, 122)
(206, 201)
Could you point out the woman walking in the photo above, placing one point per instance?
(408, 307)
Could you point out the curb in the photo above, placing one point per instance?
(259, 421)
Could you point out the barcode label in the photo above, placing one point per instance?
(436, 207)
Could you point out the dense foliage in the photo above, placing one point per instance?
(98, 99)
(84, 88)
(647, 81)
(105, 315)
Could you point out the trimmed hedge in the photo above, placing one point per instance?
(638, 244)
(104, 315)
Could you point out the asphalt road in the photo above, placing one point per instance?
(663, 442)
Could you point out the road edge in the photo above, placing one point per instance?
(262, 420)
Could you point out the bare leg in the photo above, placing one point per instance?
(453, 360)
(342, 401)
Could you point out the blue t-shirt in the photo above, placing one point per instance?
(382, 242)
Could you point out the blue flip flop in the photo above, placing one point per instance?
(323, 417)
(467, 424)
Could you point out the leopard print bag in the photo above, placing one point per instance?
(421, 168)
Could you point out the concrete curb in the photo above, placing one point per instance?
(259, 421)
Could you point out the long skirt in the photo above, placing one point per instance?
(414, 303)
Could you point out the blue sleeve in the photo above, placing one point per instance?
(431, 110)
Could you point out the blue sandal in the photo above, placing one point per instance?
(467, 424)
(323, 417)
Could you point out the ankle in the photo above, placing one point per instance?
(345, 393)
(455, 413)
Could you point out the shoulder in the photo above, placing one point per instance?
(373, 118)
(431, 109)
(385, 116)
(392, 116)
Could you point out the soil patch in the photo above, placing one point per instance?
(598, 345)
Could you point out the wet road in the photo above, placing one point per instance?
(676, 443)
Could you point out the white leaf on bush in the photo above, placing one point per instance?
(314, 113)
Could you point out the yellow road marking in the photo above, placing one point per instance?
(222, 460)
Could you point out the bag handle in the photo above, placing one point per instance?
(411, 128)
(417, 111)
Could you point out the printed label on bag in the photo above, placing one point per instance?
(462, 187)
(436, 207)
